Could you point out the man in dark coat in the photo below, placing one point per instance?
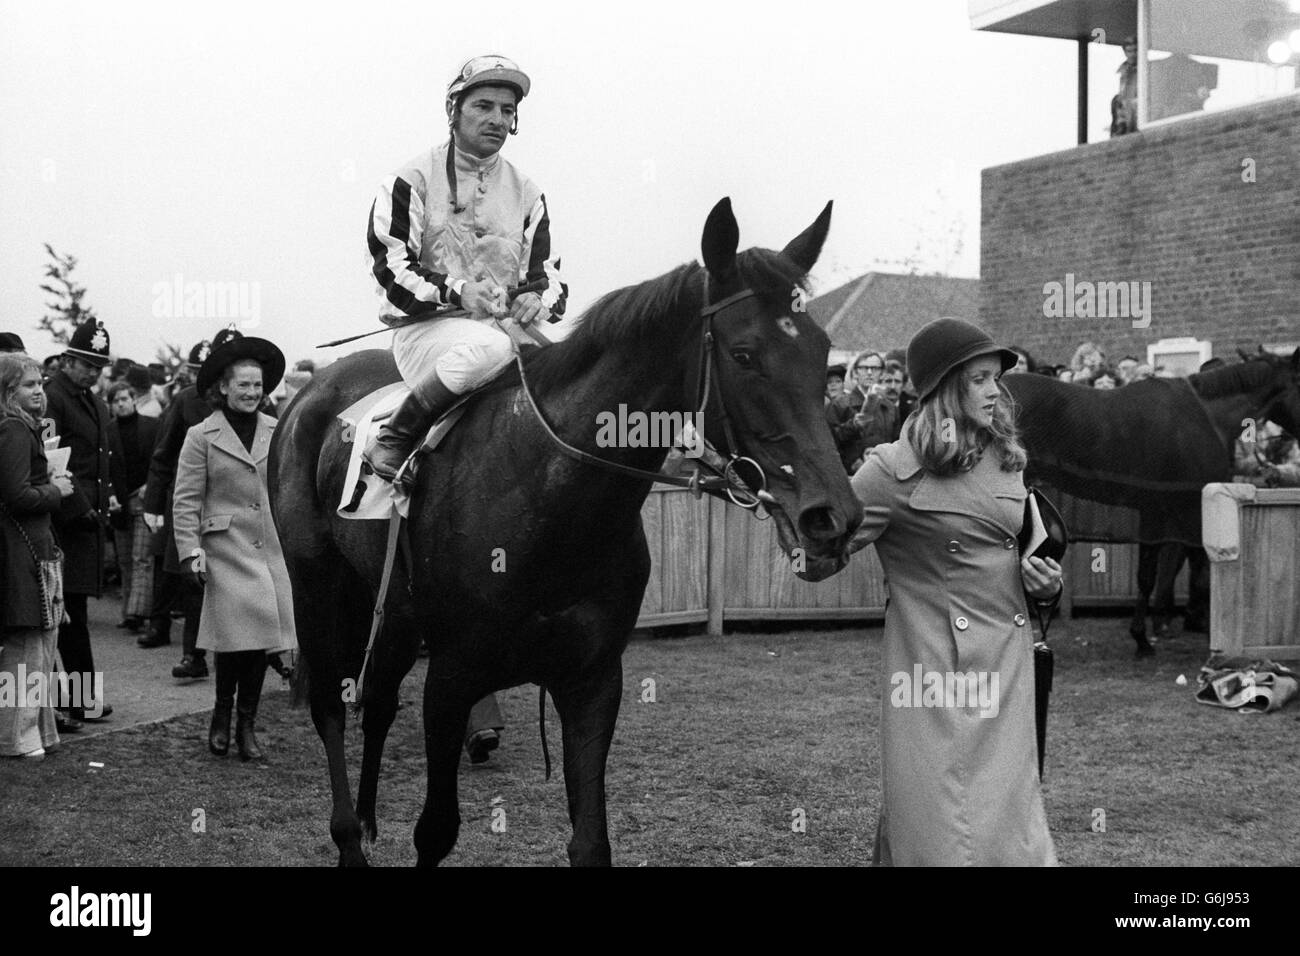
(136, 433)
(80, 419)
(862, 417)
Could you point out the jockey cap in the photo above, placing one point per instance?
(490, 69)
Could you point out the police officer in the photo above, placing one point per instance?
(80, 418)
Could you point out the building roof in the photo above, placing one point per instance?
(881, 310)
(1062, 19)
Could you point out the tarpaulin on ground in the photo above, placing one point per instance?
(1149, 448)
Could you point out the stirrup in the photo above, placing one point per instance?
(404, 480)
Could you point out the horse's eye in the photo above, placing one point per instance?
(743, 359)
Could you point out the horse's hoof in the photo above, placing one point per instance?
(369, 831)
(352, 858)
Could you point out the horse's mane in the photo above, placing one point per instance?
(1233, 379)
(646, 319)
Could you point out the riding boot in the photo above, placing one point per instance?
(251, 674)
(392, 445)
(227, 679)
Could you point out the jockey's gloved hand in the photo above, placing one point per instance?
(483, 298)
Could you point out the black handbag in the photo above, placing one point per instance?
(1042, 519)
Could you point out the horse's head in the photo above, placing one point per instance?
(1285, 409)
(770, 361)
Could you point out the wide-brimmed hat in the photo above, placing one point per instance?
(238, 347)
(942, 345)
(89, 343)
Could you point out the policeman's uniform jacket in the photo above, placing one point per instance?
(80, 418)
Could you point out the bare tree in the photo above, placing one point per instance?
(66, 311)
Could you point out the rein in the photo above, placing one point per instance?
(726, 481)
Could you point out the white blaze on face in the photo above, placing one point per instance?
(786, 324)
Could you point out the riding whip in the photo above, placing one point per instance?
(537, 285)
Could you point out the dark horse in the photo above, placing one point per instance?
(575, 556)
(1152, 446)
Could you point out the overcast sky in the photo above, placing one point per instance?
(242, 142)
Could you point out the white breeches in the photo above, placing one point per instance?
(464, 352)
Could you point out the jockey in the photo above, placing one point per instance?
(459, 230)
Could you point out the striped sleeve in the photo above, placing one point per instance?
(542, 267)
(393, 237)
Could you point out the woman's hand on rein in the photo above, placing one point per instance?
(1041, 576)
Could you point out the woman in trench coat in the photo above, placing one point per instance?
(226, 538)
(944, 505)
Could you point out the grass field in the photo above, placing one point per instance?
(744, 731)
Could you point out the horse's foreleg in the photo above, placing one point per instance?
(444, 733)
(588, 711)
(330, 718)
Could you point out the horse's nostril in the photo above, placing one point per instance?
(820, 524)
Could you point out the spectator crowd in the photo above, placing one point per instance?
(92, 452)
(868, 401)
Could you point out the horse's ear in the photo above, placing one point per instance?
(804, 248)
(1243, 354)
(1295, 360)
(720, 241)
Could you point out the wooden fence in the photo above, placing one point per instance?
(1252, 536)
(712, 563)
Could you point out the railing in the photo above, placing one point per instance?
(1252, 536)
(712, 563)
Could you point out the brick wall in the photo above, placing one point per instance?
(1166, 206)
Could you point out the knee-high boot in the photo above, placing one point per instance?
(227, 680)
(251, 674)
(429, 400)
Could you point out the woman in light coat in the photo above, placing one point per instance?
(226, 538)
(944, 505)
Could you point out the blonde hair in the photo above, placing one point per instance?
(13, 366)
(1083, 351)
(947, 442)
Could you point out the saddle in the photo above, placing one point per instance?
(367, 497)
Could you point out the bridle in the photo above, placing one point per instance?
(725, 481)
